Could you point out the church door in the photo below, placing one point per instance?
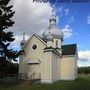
(34, 71)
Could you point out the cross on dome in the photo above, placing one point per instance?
(23, 41)
(52, 11)
(52, 19)
(52, 29)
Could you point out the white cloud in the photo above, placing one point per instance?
(19, 38)
(29, 18)
(71, 19)
(67, 31)
(63, 11)
(16, 43)
(84, 58)
(84, 55)
(88, 20)
(67, 11)
(84, 64)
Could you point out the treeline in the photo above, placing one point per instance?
(84, 70)
(7, 67)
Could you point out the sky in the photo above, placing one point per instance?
(72, 18)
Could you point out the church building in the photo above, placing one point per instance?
(46, 58)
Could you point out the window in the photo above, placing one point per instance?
(34, 47)
(56, 43)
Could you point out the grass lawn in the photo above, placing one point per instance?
(83, 83)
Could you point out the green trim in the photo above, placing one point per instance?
(48, 49)
(69, 49)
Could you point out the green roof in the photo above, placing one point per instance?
(69, 49)
(51, 48)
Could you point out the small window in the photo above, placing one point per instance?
(56, 43)
(34, 47)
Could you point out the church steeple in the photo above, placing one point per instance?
(52, 19)
(54, 32)
(23, 41)
(24, 36)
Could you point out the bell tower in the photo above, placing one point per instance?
(54, 32)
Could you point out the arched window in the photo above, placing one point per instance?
(56, 43)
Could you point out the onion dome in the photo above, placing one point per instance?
(23, 41)
(55, 32)
(49, 37)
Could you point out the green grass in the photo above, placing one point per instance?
(82, 83)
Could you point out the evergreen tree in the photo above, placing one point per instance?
(6, 13)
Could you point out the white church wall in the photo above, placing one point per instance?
(57, 43)
(47, 68)
(51, 67)
(38, 52)
(49, 44)
(20, 64)
(21, 67)
(56, 67)
(68, 68)
(33, 71)
(31, 53)
(75, 66)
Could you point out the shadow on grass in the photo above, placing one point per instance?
(82, 83)
(79, 84)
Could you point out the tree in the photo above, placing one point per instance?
(6, 38)
(84, 70)
(7, 67)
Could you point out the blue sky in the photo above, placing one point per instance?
(81, 30)
(73, 19)
(77, 17)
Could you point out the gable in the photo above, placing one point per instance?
(34, 48)
(69, 49)
(36, 36)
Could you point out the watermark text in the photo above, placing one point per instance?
(61, 1)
